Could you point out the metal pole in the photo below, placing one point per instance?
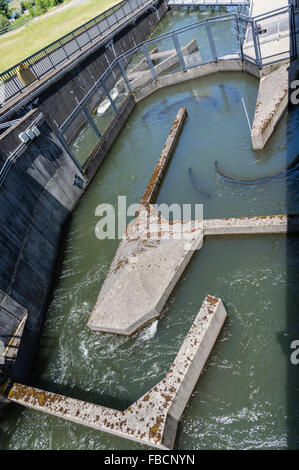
(179, 51)
(149, 61)
(248, 120)
(76, 41)
(91, 121)
(124, 75)
(256, 44)
(68, 150)
(109, 96)
(86, 30)
(211, 41)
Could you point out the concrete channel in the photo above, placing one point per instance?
(145, 269)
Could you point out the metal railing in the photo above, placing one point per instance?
(191, 46)
(209, 3)
(34, 67)
(13, 26)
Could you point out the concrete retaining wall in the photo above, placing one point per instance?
(195, 72)
(36, 196)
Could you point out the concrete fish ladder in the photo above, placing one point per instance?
(149, 261)
(153, 419)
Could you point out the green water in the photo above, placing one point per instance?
(248, 394)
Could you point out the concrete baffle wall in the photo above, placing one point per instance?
(153, 419)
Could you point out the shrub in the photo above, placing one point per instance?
(4, 11)
(3, 22)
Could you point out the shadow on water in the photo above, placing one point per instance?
(292, 303)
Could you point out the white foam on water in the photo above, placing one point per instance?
(104, 106)
(150, 331)
(106, 103)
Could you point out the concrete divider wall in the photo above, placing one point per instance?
(152, 419)
(36, 196)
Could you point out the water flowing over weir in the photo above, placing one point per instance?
(242, 399)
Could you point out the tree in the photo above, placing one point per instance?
(4, 8)
(3, 22)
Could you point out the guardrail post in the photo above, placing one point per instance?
(211, 41)
(149, 61)
(109, 96)
(106, 18)
(122, 69)
(91, 121)
(64, 50)
(239, 33)
(124, 12)
(179, 51)
(117, 20)
(74, 37)
(86, 30)
(129, 3)
(49, 57)
(256, 43)
(68, 150)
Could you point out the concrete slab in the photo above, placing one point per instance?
(153, 419)
(260, 7)
(148, 263)
(272, 101)
(149, 260)
(252, 225)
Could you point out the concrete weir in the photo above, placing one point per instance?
(149, 260)
(272, 101)
(153, 419)
(270, 224)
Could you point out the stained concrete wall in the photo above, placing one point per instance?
(152, 419)
(36, 196)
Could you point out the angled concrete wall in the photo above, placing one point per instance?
(153, 419)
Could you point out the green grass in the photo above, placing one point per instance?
(15, 4)
(17, 45)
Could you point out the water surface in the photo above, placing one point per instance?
(247, 394)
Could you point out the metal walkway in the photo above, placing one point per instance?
(63, 51)
(209, 3)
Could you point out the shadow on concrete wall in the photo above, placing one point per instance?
(31, 221)
(292, 302)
